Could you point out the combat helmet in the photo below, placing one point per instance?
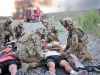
(45, 22)
(41, 32)
(66, 21)
(20, 25)
(9, 20)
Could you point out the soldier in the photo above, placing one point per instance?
(6, 32)
(50, 28)
(29, 51)
(76, 41)
(51, 37)
(19, 30)
(2, 36)
(41, 32)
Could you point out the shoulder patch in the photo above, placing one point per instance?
(74, 39)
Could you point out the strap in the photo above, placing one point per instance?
(78, 34)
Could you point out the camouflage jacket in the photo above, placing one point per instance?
(74, 38)
(8, 29)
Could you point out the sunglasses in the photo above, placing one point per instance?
(9, 22)
(20, 26)
(65, 25)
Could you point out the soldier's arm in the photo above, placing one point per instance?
(12, 33)
(74, 44)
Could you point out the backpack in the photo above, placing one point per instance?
(84, 38)
(29, 47)
(54, 30)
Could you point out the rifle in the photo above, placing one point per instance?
(91, 68)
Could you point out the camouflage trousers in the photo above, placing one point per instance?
(31, 65)
(81, 55)
(2, 40)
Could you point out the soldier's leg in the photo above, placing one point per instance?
(2, 40)
(26, 66)
(84, 54)
(81, 55)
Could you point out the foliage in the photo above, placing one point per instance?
(89, 22)
(54, 22)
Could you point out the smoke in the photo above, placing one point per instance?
(50, 6)
(20, 5)
(85, 4)
(75, 5)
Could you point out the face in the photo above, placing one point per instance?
(45, 24)
(21, 29)
(41, 35)
(7, 23)
(66, 27)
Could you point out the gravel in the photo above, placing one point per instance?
(93, 47)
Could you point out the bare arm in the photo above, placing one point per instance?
(10, 53)
(60, 48)
(2, 52)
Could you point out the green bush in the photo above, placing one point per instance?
(54, 22)
(89, 22)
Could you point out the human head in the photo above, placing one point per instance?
(41, 32)
(8, 21)
(45, 22)
(20, 25)
(18, 35)
(66, 22)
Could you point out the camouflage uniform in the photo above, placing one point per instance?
(6, 32)
(50, 28)
(2, 36)
(19, 30)
(29, 51)
(51, 39)
(74, 45)
(41, 32)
